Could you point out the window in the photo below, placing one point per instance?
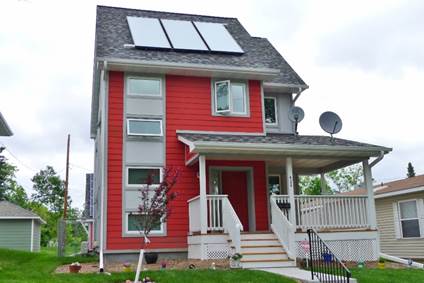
(144, 127)
(138, 176)
(230, 98)
(144, 86)
(133, 224)
(238, 98)
(271, 111)
(274, 186)
(408, 217)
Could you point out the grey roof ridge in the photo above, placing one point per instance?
(174, 13)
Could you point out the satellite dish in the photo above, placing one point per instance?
(330, 122)
(296, 115)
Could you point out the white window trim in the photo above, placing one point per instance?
(148, 120)
(144, 78)
(275, 108)
(142, 167)
(216, 98)
(244, 99)
(402, 219)
(153, 232)
(279, 179)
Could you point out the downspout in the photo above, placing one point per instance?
(299, 92)
(378, 159)
(103, 125)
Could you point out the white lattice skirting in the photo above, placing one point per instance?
(348, 250)
(217, 251)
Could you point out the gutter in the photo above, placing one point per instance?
(162, 67)
(378, 159)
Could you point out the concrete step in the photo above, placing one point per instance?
(260, 242)
(262, 249)
(264, 256)
(251, 236)
(269, 263)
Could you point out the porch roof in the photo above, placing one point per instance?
(302, 146)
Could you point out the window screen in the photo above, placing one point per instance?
(143, 127)
(135, 223)
(144, 86)
(238, 97)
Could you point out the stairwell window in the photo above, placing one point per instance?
(230, 98)
(144, 127)
(144, 86)
(408, 217)
(137, 176)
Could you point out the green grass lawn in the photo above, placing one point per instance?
(24, 267)
(388, 275)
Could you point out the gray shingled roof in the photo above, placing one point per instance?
(112, 32)
(4, 127)
(283, 139)
(8, 209)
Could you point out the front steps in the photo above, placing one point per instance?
(263, 250)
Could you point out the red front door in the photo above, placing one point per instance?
(234, 184)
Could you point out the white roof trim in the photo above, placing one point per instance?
(200, 70)
(220, 133)
(400, 192)
(351, 151)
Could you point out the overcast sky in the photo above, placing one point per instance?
(361, 59)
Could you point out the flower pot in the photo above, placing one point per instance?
(381, 265)
(74, 268)
(235, 263)
(151, 257)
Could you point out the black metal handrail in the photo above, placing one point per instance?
(323, 262)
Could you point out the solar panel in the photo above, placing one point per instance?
(147, 32)
(218, 38)
(183, 35)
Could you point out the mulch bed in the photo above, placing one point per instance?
(170, 264)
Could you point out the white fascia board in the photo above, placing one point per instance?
(398, 193)
(279, 87)
(4, 127)
(220, 133)
(225, 147)
(189, 69)
(186, 142)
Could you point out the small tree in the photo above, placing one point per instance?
(154, 206)
(411, 170)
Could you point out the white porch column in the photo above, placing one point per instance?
(202, 195)
(370, 192)
(323, 182)
(290, 190)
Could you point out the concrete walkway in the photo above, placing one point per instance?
(297, 273)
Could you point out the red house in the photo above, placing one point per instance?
(199, 93)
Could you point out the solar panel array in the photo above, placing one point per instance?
(182, 35)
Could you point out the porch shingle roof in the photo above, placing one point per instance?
(283, 139)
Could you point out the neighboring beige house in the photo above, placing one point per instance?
(400, 216)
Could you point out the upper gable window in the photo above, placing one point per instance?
(230, 98)
(144, 86)
(271, 111)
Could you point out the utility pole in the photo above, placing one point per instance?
(65, 203)
(61, 229)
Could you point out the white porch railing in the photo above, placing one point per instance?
(220, 216)
(321, 212)
(284, 230)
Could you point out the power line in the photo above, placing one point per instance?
(19, 161)
(80, 167)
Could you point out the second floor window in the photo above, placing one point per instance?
(144, 86)
(230, 98)
(270, 110)
(144, 127)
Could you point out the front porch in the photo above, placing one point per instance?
(229, 215)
